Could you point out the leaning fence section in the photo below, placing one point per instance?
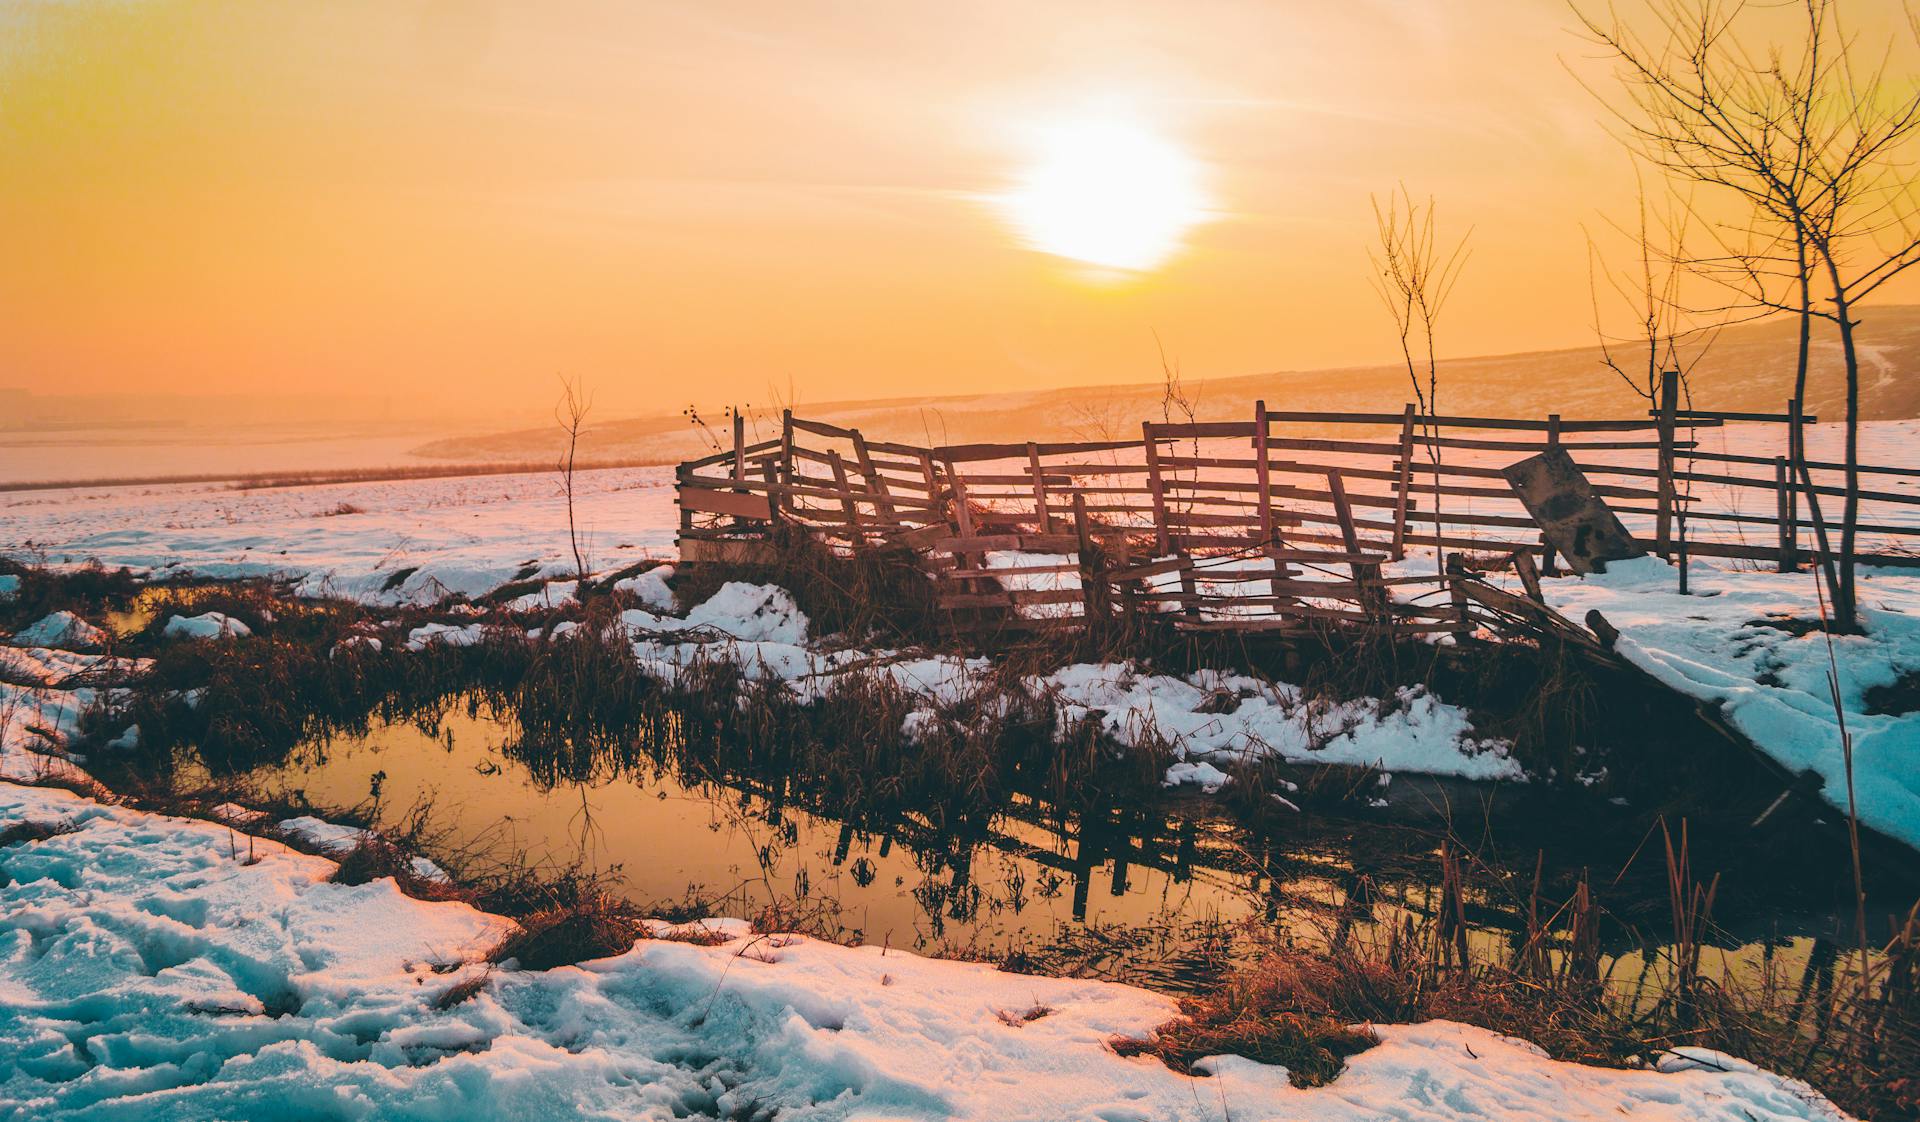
(1284, 519)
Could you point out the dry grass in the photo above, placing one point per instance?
(31, 830)
(373, 858)
(562, 935)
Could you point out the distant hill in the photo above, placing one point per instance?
(1748, 369)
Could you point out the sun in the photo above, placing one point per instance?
(1107, 193)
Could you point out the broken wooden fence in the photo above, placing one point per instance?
(1284, 519)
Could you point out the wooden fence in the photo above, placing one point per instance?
(1275, 521)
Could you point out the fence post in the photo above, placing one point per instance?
(1669, 407)
(876, 483)
(1162, 540)
(1093, 578)
(786, 458)
(1039, 488)
(770, 475)
(1789, 533)
(1547, 562)
(1263, 472)
(682, 475)
(739, 460)
(1796, 455)
(739, 447)
(1269, 530)
(1404, 484)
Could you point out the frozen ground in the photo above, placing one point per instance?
(403, 541)
(151, 968)
(1740, 640)
(161, 968)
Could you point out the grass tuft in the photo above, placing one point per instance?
(23, 833)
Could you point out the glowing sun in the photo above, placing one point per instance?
(1107, 193)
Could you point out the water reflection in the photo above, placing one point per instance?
(1159, 895)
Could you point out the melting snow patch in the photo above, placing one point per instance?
(209, 625)
(1211, 715)
(553, 594)
(62, 629)
(650, 588)
(445, 634)
(755, 613)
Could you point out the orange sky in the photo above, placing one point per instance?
(433, 199)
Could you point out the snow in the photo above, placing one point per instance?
(553, 594)
(35, 722)
(650, 587)
(207, 625)
(52, 667)
(1217, 717)
(61, 629)
(753, 613)
(1725, 644)
(158, 968)
(412, 542)
(444, 635)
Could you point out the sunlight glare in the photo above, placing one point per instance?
(1107, 193)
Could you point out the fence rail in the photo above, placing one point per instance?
(1276, 521)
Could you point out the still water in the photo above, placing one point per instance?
(1162, 897)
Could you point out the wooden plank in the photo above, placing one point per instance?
(1529, 575)
(970, 453)
(1192, 429)
(1016, 571)
(1901, 497)
(1814, 465)
(974, 600)
(846, 493)
(738, 504)
(820, 428)
(922, 537)
(1570, 516)
(1143, 572)
(1722, 415)
(1356, 447)
(882, 500)
(727, 551)
(997, 543)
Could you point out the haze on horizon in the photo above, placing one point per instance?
(452, 201)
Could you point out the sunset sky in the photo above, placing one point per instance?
(444, 200)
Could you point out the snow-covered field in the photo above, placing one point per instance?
(427, 538)
(150, 969)
(162, 968)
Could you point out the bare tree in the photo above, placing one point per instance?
(1815, 153)
(1414, 276)
(1656, 331)
(571, 413)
